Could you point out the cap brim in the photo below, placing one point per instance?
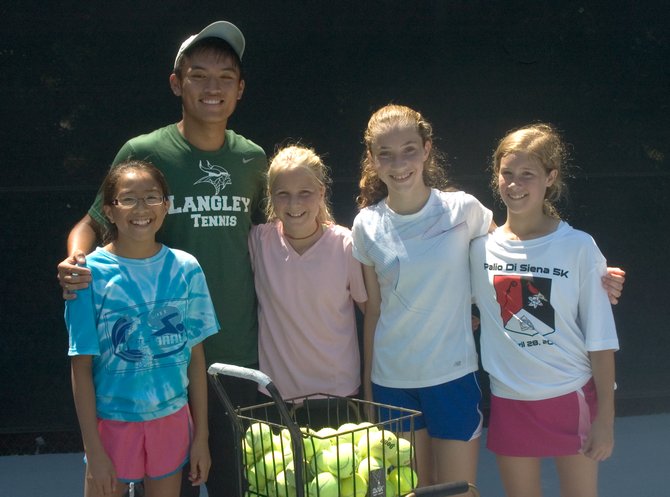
(224, 30)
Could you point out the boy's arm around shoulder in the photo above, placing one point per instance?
(355, 268)
(613, 283)
(81, 241)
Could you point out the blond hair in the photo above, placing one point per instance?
(299, 157)
(543, 143)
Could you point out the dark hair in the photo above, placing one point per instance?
(389, 117)
(109, 186)
(211, 44)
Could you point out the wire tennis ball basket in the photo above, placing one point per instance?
(322, 445)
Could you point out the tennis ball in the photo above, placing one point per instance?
(362, 446)
(360, 430)
(274, 463)
(284, 439)
(289, 474)
(402, 456)
(259, 437)
(324, 485)
(317, 463)
(369, 427)
(347, 427)
(391, 491)
(249, 456)
(278, 443)
(377, 444)
(340, 460)
(329, 434)
(311, 444)
(354, 486)
(382, 444)
(349, 433)
(403, 480)
(255, 475)
(367, 465)
(285, 434)
(281, 487)
(388, 445)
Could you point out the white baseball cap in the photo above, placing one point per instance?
(225, 30)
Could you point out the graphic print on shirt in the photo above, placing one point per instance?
(209, 208)
(147, 336)
(525, 304)
(217, 176)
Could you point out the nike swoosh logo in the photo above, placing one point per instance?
(246, 160)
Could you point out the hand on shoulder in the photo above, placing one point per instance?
(72, 275)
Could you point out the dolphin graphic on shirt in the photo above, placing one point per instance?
(159, 334)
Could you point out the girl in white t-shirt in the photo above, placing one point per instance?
(548, 335)
(413, 240)
(307, 282)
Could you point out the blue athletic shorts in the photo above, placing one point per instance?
(449, 411)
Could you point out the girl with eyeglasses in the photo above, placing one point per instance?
(136, 345)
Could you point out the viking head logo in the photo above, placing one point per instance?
(217, 176)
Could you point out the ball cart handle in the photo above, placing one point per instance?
(264, 381)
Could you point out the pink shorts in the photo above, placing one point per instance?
(153, 449)
(542, 428)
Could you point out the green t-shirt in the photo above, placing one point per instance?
(215, 197)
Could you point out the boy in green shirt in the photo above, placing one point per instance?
(217, 181)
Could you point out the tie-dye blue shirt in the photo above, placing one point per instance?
(140, 318)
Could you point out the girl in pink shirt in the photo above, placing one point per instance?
(307, 282)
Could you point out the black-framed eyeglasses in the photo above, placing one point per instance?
(150, 200)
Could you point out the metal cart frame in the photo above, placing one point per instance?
(284, 417)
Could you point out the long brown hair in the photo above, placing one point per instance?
(389, 117)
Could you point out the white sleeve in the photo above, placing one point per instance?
(360, 240)
(595, 311)
(478, 217)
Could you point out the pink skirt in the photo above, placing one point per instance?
(542, 428)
